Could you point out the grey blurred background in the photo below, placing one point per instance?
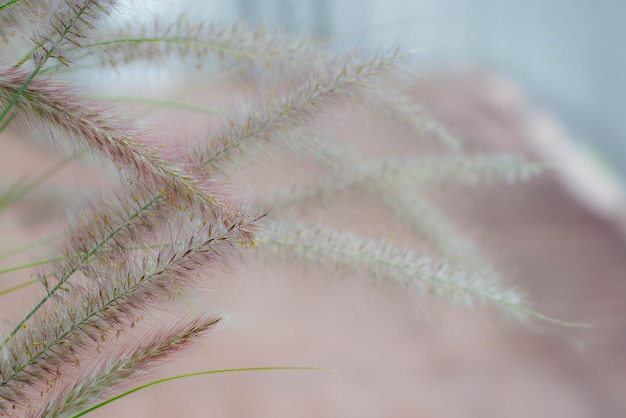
(565, 54)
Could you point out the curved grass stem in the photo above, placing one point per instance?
(187, 375)
(75, 268)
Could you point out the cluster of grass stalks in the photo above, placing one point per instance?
(173, 217)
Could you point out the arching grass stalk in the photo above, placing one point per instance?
(197, 374)
(195, 39)
(138, 41)
(112, 304)
(384, 262)
(280, 119)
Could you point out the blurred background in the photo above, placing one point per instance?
(565, 55)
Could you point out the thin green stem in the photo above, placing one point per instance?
(136, 41)
(30, 246)
(7, 197)
(187, 375)
(6, 123)
(60, 258)
(75, 268)
(25, 58)
(22, 191)
(8, 3)
(18, 287)
(28, 265)
(19, 93)
(179, 41)
(159, 103)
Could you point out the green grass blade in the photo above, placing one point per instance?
(184, 376)
(8, 3)
(160, 103)
(7, 122)
(18, 191)
(28, 265)
(7, 197)
(18, 287)
(30, 246)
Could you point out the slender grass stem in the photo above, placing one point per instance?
(195, 374)
(25, 58)
(7, 197)
(8, 3)
(138, 41)
(160, 103)
(6, 123)
(19, 93)
(61, 258)
(75, 268)
(182, 41)
(23, 191)
(18, 287)
(29, 265)
(27, 247)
